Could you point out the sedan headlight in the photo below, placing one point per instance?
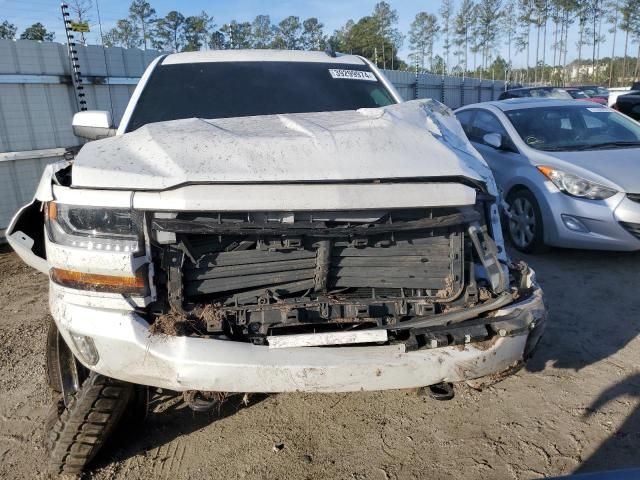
(576, 186)
(93, 228)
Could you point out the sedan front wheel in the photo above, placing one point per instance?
(525, 222)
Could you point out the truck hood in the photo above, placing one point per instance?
(409, 140)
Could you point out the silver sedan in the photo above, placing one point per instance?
(569, 172)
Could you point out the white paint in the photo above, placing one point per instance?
(22, 245)
(98, 262)
(98, 300)
(408, 140)
(383, 78)
(126, 116)
(19, 241)
(128, 352)
(44, 191)
(92, 118)
(92, 198)
(327, 338)
(296, 197)
(266, 55)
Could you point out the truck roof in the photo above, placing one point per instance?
(259, 56)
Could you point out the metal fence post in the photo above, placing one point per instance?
(442, 89)
(462, 93)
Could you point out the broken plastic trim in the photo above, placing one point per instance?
(453, 317)
(488, 253)
(310, 229)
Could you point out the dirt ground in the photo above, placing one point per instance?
(575, 408)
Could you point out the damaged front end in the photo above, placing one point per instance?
(284, 279)
(258, 279)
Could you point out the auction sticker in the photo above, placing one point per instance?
(352, 74)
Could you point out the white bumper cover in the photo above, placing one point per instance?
(129, 352)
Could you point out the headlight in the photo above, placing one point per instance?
(93, 228)
(576, 186)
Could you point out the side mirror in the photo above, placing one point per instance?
(493, 140)
(93, 124)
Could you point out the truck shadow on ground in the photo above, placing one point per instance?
(169, 417)
(623, 443)
(591, 317)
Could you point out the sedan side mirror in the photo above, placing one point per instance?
(493, 140)
(93, 124)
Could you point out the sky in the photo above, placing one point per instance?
(333, 13)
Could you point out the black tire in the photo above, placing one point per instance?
(526, 233)
(87, 408)
(77, 431)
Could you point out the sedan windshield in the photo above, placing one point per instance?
(241, 89)
(573, 128)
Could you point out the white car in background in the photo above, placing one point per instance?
(268, 221)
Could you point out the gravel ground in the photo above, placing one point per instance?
(575, 408)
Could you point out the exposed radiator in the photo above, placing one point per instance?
(416, 264)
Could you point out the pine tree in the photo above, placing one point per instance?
(446, 12)
(422, 35)
(143, 15)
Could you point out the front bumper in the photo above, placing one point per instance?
(127, 351)
(604, 221)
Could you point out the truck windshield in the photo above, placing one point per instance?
(241, 89)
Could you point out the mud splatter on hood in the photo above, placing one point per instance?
(413, 139)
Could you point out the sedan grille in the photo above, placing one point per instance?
(632, 228)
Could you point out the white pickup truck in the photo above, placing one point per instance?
(268, 221)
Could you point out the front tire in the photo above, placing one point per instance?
(525, 226)
(87, 408)
(78, 430)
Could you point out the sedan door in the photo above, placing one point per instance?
(503, 158)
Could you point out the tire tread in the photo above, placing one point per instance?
(78, 431)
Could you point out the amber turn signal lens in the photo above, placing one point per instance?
(100, 283)
(546, 171)
(52, 210)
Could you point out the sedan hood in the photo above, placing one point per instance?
(618, 167)
(408, 140)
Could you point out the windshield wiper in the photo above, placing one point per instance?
(620, 143)
(556, 149)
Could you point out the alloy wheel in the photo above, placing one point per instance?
(522, 223)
